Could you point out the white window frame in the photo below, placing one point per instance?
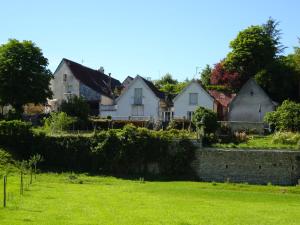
(191, 100)
(138, 97)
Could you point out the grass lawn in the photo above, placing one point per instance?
(259, 142)
(58, 200)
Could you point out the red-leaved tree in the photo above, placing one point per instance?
(220, 76)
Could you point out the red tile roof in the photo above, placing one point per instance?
(223, 98)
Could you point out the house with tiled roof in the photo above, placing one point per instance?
(222, 101)
(139, 100)
(74, 79)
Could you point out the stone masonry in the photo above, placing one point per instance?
(278, 167)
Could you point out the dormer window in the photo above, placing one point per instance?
(65, 77)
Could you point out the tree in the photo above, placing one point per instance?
(207, 117)
(205, 75)
(280, 79)
(166, 79)
(252, 50)
(272, 30)
(220, 76)
(24, 77)
(169, 85)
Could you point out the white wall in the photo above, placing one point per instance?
(59, 86)
(125, 102)
(181, 102)
(246, 105)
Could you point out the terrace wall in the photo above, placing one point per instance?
(251, 166)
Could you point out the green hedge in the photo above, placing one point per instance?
(126, 152)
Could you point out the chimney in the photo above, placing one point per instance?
(101, 69)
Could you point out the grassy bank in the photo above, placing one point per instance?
(259, 142)
(79, 199)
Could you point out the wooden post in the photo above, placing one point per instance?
(21, 184)
(4, 190)
(31, 174)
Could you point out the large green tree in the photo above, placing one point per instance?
(252, 50)
(24, 77)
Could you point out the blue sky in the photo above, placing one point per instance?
(149, 38)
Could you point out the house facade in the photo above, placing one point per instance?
(251, 104)
(73, 79)
(140, 100)
(191, 97)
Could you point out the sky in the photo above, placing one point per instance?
(149, 38)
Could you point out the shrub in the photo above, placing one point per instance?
(208, 117)
(286, 117)
(76, 107)
(181, 124)
(59, 122)
(286, 138)
(16, 134)
(126, 152)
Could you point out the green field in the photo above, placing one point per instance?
(67, 199)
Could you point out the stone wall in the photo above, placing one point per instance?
(251, 166)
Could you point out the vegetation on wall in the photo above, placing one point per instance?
(127, 152)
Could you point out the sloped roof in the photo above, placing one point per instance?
(187, 86)
(223, 98)
(245, 86)
(94, 79)
(150, 85)
(154, 89)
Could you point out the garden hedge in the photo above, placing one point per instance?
(125, 152)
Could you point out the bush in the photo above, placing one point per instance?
(208, 117)
(16, 134)
(181, 124)
(76, 107)
(59, 122)
(286, 138)
(286, 117)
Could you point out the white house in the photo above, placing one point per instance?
(140, 100)
(251, 104)
(71, 78)
(192, 96)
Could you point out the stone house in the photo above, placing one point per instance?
(139, 100)
(250, 104)
(74, 79)
(191, 97)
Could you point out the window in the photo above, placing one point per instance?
(190, 115)
(193, 99)
(65, 77)
(138, 96)
(137, 110)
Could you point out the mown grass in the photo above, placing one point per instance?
(258, 142)
(61, 199)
